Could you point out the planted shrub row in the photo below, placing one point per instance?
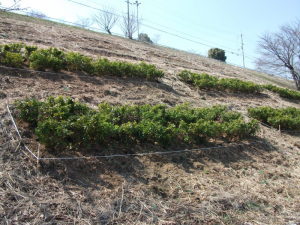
(19, 55)
(285, 118)
(283, 92)
(205, 81)
(62, 123)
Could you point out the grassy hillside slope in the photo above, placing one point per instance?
(253, 184)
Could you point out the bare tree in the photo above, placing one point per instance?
(156, 38)
(14, 6)
(84, 22)
(106, 19)
(129, 26)
(280, 52)
(37, 14)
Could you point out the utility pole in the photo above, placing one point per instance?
(137, 16)
(128, 2)
(242, 47)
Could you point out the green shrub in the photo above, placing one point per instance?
(51, 58)
(125, 69)
(283, 92)
(55, 134)
(29, 50)
(145, 38)
(61, 108)
(29, 110)
(237, 85)
(12, 59)
(14, 47)
(62, 123)
(78, 62)
(203, 129)
(101, 67)
(18, 54)
(150, 72)
(14, 55)
(205, 81)
(217, 53)
(238, 129)
(285, 118)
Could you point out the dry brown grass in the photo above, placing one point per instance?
(257, 184)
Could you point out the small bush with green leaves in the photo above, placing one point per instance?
(62, 123)
(125, 69)
(145, 38)
(16, 54)
(51, 58)
(285, 118)
(218, 54)
(12, 59)
(11, 55)
(78, 62)
(205, 81)
(14, 47)
(283, 92)
(29, 50)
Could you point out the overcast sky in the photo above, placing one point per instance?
(213, 23)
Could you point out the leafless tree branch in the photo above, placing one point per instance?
(280, 52)
(15, 6)
(37, 14)
(84, 22)
(106, 19)
(129, 26)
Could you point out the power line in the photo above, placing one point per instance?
(91, 7)
(146, 25)
(157, 29)
(180, 32)
(211, 45)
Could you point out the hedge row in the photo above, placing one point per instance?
(205, 81)
(20, 55)
(283, 92)
(285, 118)
(62, 123)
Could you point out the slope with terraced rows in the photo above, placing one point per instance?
(249, 184)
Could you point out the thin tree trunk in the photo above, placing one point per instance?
(296, 77)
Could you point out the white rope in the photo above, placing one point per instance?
(143, 154)
(18, 132)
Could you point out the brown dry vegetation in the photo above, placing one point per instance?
(255, 184)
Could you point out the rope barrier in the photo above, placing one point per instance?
(18, 132)
(143, 154)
